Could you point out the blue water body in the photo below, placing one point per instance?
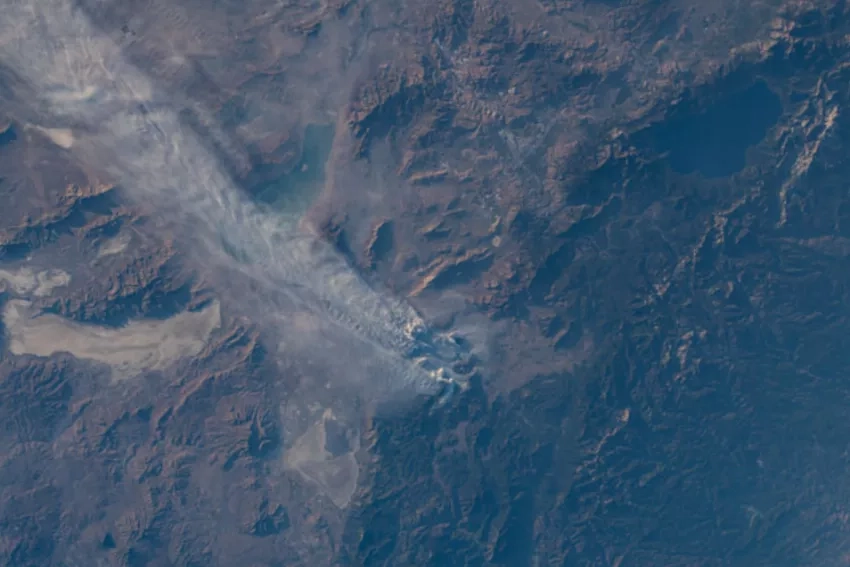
(295, 190)
(714, 142)
(8, 136)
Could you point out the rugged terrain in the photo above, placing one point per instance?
(642, 204)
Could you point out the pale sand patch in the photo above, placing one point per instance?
(39, 284)
(140, 345)
(62, 137)
(114, 245)
(336, 476)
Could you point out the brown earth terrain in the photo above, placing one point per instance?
(641, 206)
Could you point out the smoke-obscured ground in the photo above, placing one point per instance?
(138, 92)
(138, 127)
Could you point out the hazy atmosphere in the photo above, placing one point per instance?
(449, 283)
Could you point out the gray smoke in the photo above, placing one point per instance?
(125, 127)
